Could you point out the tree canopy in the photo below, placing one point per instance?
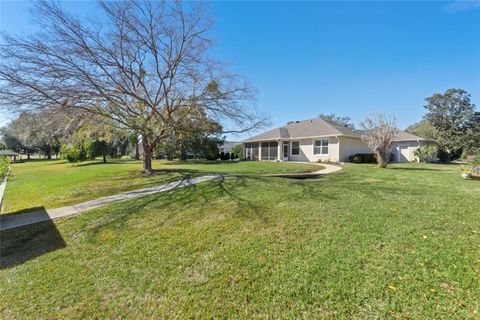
(456, 123)
(338, 120)
(142, 65)
(423, 129)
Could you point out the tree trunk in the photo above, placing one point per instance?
(147, 161)
(147, 155)
(49, 152)
(137, 152)
(28, 154)
(104, 158)
(382, 160)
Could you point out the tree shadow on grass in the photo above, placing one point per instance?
(25, 243)
(206, 162)
(22, 244)
(414, 169)
(100, 162)
(196, 197)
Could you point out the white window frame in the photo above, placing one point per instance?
(321, 147)
(291, 148)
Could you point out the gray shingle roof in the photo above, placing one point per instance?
(8, 153)
(303, 129)
(318, 127)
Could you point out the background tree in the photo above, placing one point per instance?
(423, 129)
(41, 131)
(453, 116)
(237, 151)
(472, 145)
(338, 120)
(10, 141)
(379, 131)
(139, 65)
(196, 135)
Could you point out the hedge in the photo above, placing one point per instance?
(363, 158)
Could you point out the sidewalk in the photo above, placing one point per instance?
(23, 219)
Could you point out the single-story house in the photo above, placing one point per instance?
(318, 140)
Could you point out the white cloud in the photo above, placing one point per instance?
(462, 5)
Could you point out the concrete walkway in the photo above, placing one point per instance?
(328, 168)
(23, 219)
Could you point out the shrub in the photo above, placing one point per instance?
(4, 163)
(355, 159)
(74, 154)
(363, 158)
(232, 156)
(476, 160)
(426, 153)
(227, 156)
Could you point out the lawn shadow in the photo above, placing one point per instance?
(40, 210)
(206, 162)
(97, 163)
(22, 244)
(413, 169)
(185, 196)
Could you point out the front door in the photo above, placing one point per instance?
(285, 152)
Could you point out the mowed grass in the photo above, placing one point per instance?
(52, 184)
(363, 243)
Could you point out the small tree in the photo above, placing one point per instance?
(379, 132)
(237, 151)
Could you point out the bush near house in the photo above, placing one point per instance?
(476, 160)
(4, 163)
(363, 158)
(224, 156)
(425, 153)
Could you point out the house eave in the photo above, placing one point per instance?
(298, 138)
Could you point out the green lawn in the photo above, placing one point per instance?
(52, 184)
(363, 243)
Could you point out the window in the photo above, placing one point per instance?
(295, 148)
(320, 147)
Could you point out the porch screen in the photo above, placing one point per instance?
(269, 150)
(251, 151)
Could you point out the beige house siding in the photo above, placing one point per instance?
(306, 151)
(339, 149)
(350, 146)
(404, 151)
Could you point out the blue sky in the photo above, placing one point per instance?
(348, 58)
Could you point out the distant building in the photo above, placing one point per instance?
(227, 146)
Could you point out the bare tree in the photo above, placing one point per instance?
(379, 131)
(142, 64)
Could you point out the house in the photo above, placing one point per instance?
(227, 146)
(318, 140)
